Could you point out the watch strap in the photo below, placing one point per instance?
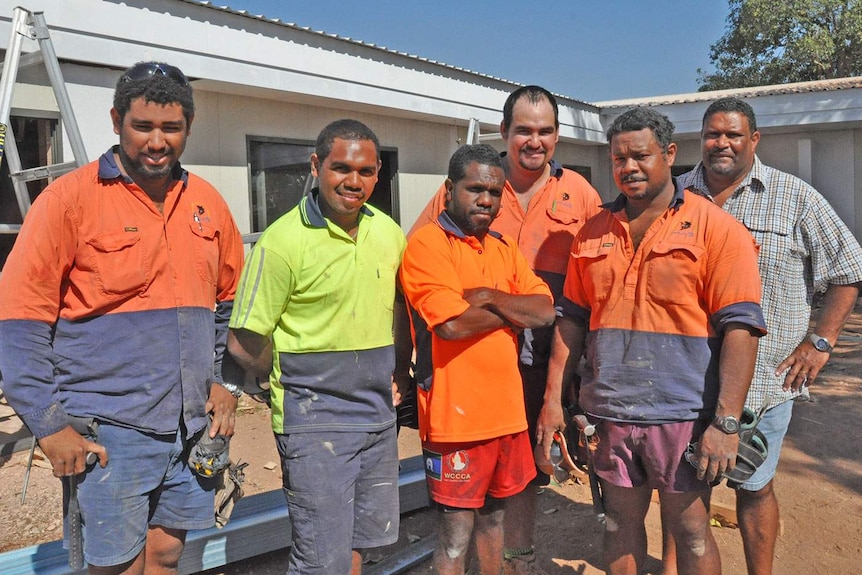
(234, 389)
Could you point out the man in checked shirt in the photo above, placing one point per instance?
(805, 248)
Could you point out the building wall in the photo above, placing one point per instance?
(826, 159)
(263, 79)
(217, 148)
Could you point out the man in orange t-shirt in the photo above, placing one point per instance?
(475, 291)
(543, 206)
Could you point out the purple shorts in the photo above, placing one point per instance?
(637, 455)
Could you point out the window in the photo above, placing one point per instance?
(280, 169)
(585, 171)
(39, 144)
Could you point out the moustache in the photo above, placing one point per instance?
(632, 179)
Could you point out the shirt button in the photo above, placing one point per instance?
(480, 252)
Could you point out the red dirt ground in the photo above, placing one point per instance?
(819, 486)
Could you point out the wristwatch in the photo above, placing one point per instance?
(729, 424)
(820, 343)
(233, 388)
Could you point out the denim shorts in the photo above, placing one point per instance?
(147, 482)
(774, 426)
(342, 494)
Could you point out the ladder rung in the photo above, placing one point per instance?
(27, 61)
(43, 172)
(10, 228)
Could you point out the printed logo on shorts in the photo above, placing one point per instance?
(456, 464)
(433, 464)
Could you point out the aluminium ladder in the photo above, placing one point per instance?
(32, 26)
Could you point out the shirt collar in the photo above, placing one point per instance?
(676, 201)
(756, 174)
(449, 226)
(311, 213)
(108, 169)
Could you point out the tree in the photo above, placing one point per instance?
(780, 41)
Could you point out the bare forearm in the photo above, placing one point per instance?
(567, 345)
(736, 368)
(252, 351)
(838, 304)
(473, 322)
(522, 311)
(717, 449)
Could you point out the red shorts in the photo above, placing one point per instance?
(462, 474)
(634, 455)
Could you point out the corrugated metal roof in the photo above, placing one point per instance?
(794, 88)
(280, 22)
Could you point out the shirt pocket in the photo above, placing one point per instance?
(120, 263)
(386, 281)
(597, 275)
(552, 250)
(674, 273)
(205, 247)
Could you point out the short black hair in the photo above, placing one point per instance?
(465, 155)
(639, 118)
(158, 89)
(345, 129)
(731, 104)
(534, 95)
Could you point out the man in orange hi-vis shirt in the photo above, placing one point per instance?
(662, 296)
(475, 291)
(116, 299)
(542, 207)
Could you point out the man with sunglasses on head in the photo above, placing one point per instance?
(116, 301)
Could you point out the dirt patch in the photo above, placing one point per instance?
(819, 484)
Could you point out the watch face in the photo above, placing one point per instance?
(820, 343)
(728, 424)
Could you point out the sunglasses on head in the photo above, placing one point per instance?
(145, 70)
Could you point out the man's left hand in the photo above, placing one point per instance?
(716, 453)
(222, 405)
(402, 386)
(803, 366)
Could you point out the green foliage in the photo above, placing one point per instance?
(781, 41)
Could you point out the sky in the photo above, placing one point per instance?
(589, 50)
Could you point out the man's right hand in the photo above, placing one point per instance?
(551, 419)
(67, 451)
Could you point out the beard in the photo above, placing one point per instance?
(136, 168)
(533, 164)
(470, 226)
(722, 165)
